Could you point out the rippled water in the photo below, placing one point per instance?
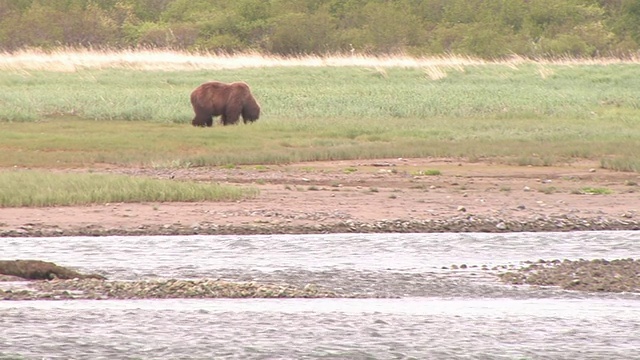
(440, 313)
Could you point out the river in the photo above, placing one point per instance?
(419, 307)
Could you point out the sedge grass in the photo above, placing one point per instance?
(23, 188)
(526, 112)
(311, 93)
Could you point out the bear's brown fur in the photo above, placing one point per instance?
(227, 100)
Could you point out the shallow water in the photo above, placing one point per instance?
(440, 313)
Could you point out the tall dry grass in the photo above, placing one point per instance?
(67, 59)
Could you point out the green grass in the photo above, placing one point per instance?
(428, 172)
(593, 191)
(310, 94)
(71, 142)
(38, 188)
(519, 115)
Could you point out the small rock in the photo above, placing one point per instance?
(310, 288)
(462, 209)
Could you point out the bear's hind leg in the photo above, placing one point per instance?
(230, 117)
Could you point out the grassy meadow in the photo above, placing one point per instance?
(69, 112)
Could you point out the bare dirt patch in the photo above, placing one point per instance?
(399, 195)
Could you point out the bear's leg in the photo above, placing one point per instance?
(209, 121)
(202, 117)
(231, 117)
(202, 122)
(199, 120)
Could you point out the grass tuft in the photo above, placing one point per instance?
(593, 191)
(428, 172)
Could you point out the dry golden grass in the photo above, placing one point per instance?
(74, 59)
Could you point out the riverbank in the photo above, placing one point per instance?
(469, 223)
(381, 196)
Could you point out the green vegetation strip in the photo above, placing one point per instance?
(37, 188)
(302, 97)
(526, 114)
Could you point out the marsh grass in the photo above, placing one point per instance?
(115, 108)
(628, 162)
(306, 98)
(38, 188)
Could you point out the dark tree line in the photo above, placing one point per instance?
(483, 28)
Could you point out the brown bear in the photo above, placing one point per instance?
(227, 100)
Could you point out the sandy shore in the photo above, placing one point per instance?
(386, 195)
